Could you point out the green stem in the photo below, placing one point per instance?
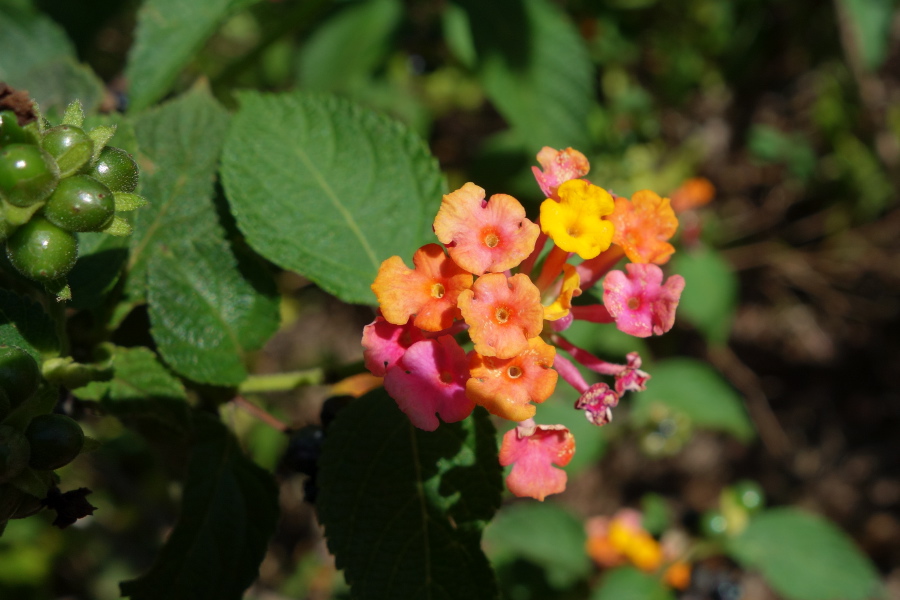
(281, 382)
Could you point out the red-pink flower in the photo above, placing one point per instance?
(484, 236)
(385, 343)
(631, 378)
(639, 301)
(431, 378)
(532, 450)
(429, 291)
(597, 403)
(559, 166)
(503, 313)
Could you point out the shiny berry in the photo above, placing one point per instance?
(27, 174)
(80, 203)
(55, 441)
(116, 169)
(10, 130)
(19, 374)
(70, 146)
(42, 251)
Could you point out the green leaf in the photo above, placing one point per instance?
(327, 189)
(348, 46)
(627, 583)
(403, 509)
(695, 389)
(126, 202)
(24, 323)
(141, 387)
(543, 533)
(229, 511)
(41, 403)
(101, 135)
(74, 114)
(710, 291)
(34, 482)
(870, 28)
(100, 261)
(208, 310)
(804, 557)
(119, 227)
(544, 87)
(39, 57)
(168, 35)
(180, 144)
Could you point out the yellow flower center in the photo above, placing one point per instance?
(514, 372)
(501, 315)
(437, 290)
(491, 240)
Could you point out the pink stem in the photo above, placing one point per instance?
(598, 365)
(528, 264)
(592, 313)
(570, 373)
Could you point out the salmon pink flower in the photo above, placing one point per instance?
(481, 236)
(643, 227)
(639, 301)
(429, 291)
(385, 343)
(559, 166)
(693, 193)
(503, 313)
(576, 223)
(507, 386)
(431, 378)
(532, 450)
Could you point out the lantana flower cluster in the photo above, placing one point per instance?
(508, 283)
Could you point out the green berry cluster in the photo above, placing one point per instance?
(55, 182)
(44, 442)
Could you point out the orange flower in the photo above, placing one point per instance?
(429, 291)
(693, 193)
(502, 314)
(678, 575)
(507, 386)
(484, 236)
(575, 223)
(643, 227)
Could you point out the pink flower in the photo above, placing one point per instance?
(559, 166)
(484, 236)
(532, 450)
(597, 403)
(640, 303)
(631, 378)
(385, 343)
(431, 378)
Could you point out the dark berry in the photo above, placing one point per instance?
(304, 448)
(80, 203)
(19, 375)
(42, 251)
(116, 169)
(55, 441)
(27, 174)
(70, 146)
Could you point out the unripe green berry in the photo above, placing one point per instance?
(80, 203)
(713, 524)
(70, 146)
(42, 251)
(116, 169)
(14, 452)
(55, 441)
(749, 495)
(27, 174)
(19, 375)
(10, 130)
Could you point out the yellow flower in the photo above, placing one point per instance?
(576, 223)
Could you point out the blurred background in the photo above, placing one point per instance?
(775, 128)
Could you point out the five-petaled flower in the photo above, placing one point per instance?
(532, 450)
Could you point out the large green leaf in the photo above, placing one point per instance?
(169, 33)
(208, 310)
(545, 534)
(327, 189)
(540, 78)
(403, 509)
(229, 511)
(804, 557)
(697, 390)
(141, 387)
(710, 291)
(869, 28)
(180, 144)
(348, 46)
(38, 57)
(24, 323)
(627, 583)
(100, 261)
